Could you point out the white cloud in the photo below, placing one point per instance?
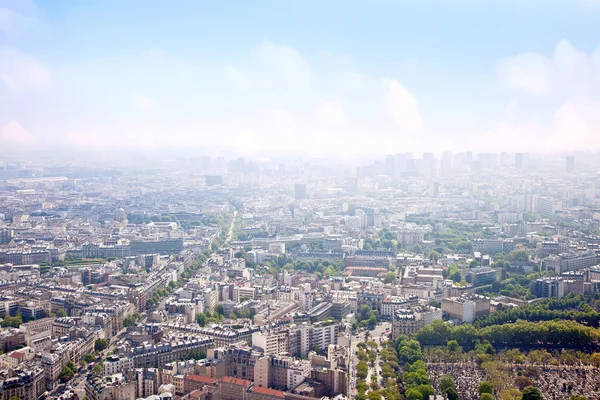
(154, 53)
(575, 126)
(285, 62)
(569, 77)
(569, 72)
(528, 72)
(509, 136)
(281, 119)
(143, 103)
(330, 112)
(19, 71)
(576, 73)
(272, 70)
(113, 135)
(402, 106)
(235, 77)
(14, 134)
(17, 16)
(8, 21)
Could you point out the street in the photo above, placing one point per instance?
(378, 334)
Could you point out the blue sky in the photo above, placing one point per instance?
(315, 76)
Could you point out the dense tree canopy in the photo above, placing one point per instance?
(67, 372)
(14, 322)
(367, 317)
(571, 307)
(568, 334)
(532, 393)
(130, 320)
(100, 344)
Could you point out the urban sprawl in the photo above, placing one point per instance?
(431, 276)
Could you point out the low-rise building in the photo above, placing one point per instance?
(466, 308)
(408, 320)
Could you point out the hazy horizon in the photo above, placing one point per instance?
(354, 79)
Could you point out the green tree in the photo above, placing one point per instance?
(61, 313)
(374, 395)
(413, 394)
(374, 385)
(446, 382)
(485, 387)
(67, 372)
(453, 346)
(13, 322)
(100, 344)
(532, 393)
(219, 309)
(130, 320)
(434, 256)
(390, 277)
(451, 394)
(486, 396)
(362, 370)
(426, 391)
(511, 394)
(98, 370)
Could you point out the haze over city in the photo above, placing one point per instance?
(300, 200)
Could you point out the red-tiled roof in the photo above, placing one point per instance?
(235, 381)
(267, 391)
(195, 394)
(200, 378)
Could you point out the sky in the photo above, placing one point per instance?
(318, 77)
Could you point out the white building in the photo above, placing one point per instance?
(323, 334)
(390, 304)
(116, 365)
(240, 292)
(271, 342)
(210, 299)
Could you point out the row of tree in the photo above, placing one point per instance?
(130, 320)
(190, 271)
(160, 293)
(572, 307)
(319, 267)
(207, 318)
(567, 334)
(417, 385)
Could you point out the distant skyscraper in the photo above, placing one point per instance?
(459, 160)
(434, 190)
(519, 161)
(390, 165)
(300, 191)
(570, 163)
(428, 162)
(446, 165)
(213, 180)
(401, 162)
